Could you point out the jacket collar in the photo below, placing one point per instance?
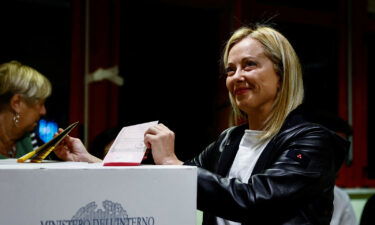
(230, 149)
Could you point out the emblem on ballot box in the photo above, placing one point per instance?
(112, 214)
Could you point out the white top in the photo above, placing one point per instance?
(343, 212)
(244, 162)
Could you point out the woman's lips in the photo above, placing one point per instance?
(240, 91)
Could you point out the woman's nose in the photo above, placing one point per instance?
(239, 76)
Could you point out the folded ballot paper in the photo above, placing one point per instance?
(128, 149)
(39, 154)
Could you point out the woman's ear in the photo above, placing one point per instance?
(16, 102)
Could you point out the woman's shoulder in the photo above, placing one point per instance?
(309, 130)
(313, 137)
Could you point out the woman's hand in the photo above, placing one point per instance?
(161, 140)
(72, 149)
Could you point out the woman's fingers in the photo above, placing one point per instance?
(147, 140)
(155, 129)
(154, 133)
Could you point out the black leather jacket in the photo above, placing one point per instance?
(291, 183)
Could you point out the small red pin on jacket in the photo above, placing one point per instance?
(298, 156)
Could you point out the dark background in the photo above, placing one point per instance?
(170, 63)
(170, 60)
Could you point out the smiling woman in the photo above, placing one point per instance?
(253, 82)
(276, 158)
(23, 91)
(271, 67)
(252, 171)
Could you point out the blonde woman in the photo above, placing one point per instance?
(23, 91)
(275, 169)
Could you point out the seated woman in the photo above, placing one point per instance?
(23, 91)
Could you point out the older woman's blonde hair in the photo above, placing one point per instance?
(16, 78)
(286, 64)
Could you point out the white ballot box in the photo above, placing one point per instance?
(67, 193)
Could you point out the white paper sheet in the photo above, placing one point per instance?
(128, 148)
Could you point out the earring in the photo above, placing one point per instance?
(16, 119)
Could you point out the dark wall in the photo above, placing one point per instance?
(319, 61)
(371, 110)
(170, 64)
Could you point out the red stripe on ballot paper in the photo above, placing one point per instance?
(121, 164)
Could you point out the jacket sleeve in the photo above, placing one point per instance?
(302, 171)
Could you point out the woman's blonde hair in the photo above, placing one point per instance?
(16, 78)
(286, 64)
